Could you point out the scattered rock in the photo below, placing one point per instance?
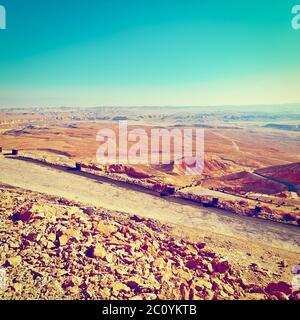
(132, 257)
(17, 287)
(118, 287)
(63, 240)
(109, 257)
(24, 215)
(136, 218)
(159, 263)
(201, 284)
(280, 287)
(283, 264)
(14, 261)
(105, 229)
(33, 237)
(52, 237)
(136, 286)
(228, 289)
(220, 267)
(98, 251)
(200, 245)
(193, 264)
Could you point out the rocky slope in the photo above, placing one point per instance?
(52, 248)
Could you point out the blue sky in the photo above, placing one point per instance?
(140, 52)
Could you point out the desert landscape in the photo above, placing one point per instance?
(80, 230)
(245, 162)
(149, 157)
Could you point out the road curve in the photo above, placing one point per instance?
(74, 186)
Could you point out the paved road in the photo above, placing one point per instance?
(75, 186)
(291, 187)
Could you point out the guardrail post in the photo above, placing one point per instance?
(78, 166)
(14, 152)
(257, 209)
(215, 201)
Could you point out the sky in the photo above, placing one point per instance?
(149, 52)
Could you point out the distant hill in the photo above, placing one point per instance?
(289, 173)
(289, 127)
(242, 182)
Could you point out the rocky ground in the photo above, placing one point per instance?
(52, 248)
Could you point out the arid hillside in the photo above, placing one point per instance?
(238, 148)
(275, 180)
(244, 182)
(226, 151)
(52, 248)
(289, 173)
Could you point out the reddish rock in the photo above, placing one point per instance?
(193, 264)
(131, 260)
(33, 237)
(209, 254)
(191, 294)
(280, 286)
(23, 215)
(136, 218)
(280, 295)
(215, 286)
(220, 267)
(296, 296)
(200, 245)
(184, 292)
(253, 288)
(134, 285)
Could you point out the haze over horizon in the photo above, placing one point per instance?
(137, 53)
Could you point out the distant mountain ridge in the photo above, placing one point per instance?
(290, 127)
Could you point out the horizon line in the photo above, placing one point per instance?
(155, 106)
